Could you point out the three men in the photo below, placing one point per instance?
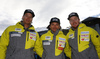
(21, 40)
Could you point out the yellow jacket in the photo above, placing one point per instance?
(85, 40)
(16, 41)
(60, 43)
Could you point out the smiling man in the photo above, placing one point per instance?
(83, 41)
(54, 41)
(19, 41)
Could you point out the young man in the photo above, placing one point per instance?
(54, 41)
(18, 41)
(84, 41)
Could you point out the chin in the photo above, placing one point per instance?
(74, 25)
(28, 23)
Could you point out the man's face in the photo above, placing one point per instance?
(74, 21)
(54, 26)
(27, 18)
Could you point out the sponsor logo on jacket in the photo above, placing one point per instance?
(85, 32)
(18, 29)
(48, 37)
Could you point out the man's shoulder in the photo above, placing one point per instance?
(88, 28)
(11, 26)
(42, 32)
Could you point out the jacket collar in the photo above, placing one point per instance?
(21, 24)
(81, 25)
(57, 32)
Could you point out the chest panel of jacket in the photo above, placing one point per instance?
(22, 40)
(84, 37)
(47, 41)
(17, 40)
(61, 43)
(73, 42)
(30, 39)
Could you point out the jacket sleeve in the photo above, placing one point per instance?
(38, 46)
(67, 49)
(4, 41)
(96, 41)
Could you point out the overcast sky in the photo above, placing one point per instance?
(11, 11)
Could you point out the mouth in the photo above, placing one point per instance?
(28, 20)
(54, 28)
(75, 24)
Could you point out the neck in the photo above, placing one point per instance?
(26, 25)
(55, 32)
(74, 28)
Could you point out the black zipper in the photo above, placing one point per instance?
(57, 43)
(27, 36)
(79, 39)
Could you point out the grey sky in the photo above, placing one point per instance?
(11, 11)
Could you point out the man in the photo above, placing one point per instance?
(84, 41)
(54, 41)
(18, 41)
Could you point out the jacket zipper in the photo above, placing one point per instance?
(27, 36)
(57, 43)
(79, 39)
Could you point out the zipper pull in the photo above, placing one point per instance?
(79, 39)
(57, 43)
(27, 36)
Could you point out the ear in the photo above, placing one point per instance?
(22, 16)
(60, 27)
(49, 26)
(69, 22)
(79, 20)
